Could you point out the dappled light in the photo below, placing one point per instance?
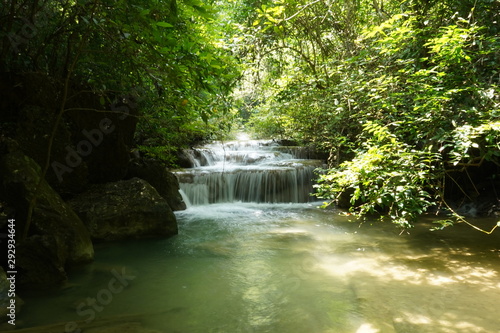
(424, 288)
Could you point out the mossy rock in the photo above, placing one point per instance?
(63, 237)
(127, 209)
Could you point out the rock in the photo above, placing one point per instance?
(125, 209)
(163, 181)
(5, 298)
(185, 158)
(89, 146)
(30, 102)
(171, 192)
(285, 142)
(62, 232)
(39, 263)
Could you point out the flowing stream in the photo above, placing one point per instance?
(248, 171)
(255, 254)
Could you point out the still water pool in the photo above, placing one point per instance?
(286, 268)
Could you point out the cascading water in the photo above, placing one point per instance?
(248, 171)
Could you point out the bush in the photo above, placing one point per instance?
(386, 177)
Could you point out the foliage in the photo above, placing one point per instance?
(165, 54)
(473, 144)
(385, 177)
(427, 72)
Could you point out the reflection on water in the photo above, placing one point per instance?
(290, 268)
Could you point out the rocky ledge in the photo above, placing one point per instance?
(123, 210)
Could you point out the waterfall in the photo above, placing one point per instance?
(247, 171)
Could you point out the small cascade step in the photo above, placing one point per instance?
(248, 171)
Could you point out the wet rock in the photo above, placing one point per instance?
(125, 210)
(484, 205)
(161, 179)
(195, 157)
(285, 142)
(302, 152)
(63, 237)
(185, 159)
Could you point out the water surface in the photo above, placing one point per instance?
(281, 268)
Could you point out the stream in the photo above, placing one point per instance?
(255, 253)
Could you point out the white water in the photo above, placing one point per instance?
(247, 171)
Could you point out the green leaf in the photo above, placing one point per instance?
(164, 24)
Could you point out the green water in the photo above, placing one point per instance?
(287, 268)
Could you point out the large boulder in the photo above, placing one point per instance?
(103, 139)
(161, 179)
(51, 216)
(125, 209)
(34, 125)
(30, 103)
(56, 236)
